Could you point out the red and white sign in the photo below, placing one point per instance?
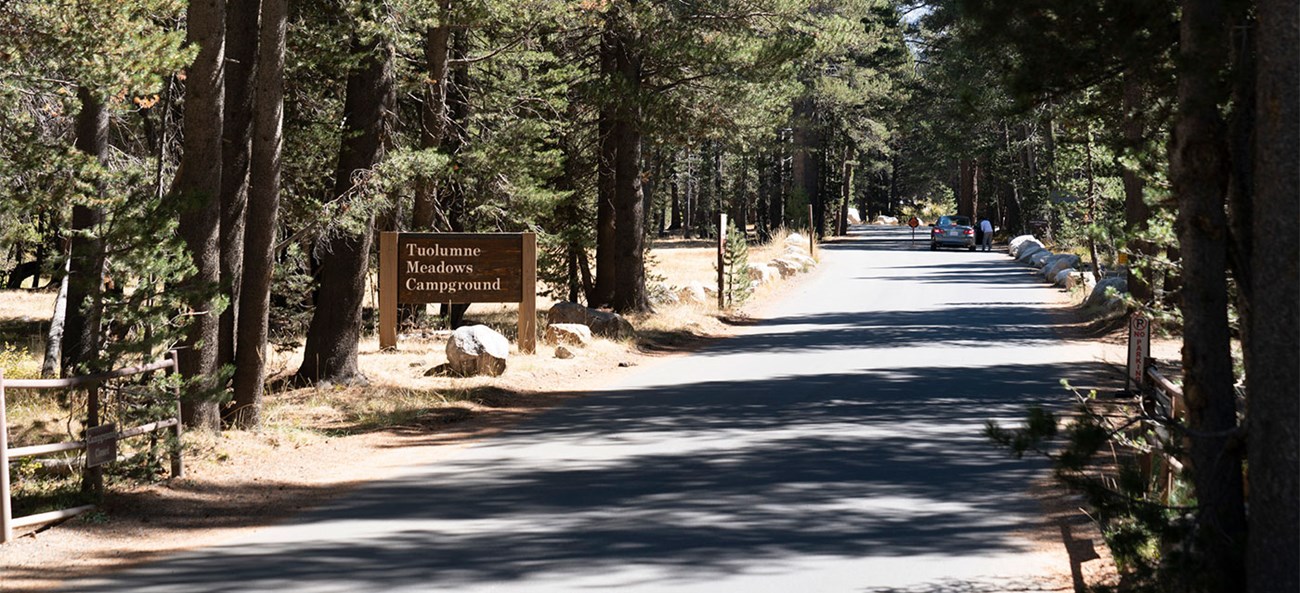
(913, 222)
(1139, 348)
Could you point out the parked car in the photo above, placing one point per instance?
(952, 231)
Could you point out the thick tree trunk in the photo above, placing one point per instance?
(434, 122)
(236, 136)
(1136, 210)
(82, 331)
(264, 205)
(621, 51)
(1199, 174)
(198, 187)
(335, 329)
(1274, 445)
(606, 234)
(967, 188)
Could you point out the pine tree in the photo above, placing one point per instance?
(735, 268)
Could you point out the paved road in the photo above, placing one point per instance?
(835, 446)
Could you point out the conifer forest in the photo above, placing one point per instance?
(212, 176)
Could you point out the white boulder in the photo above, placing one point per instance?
(785, 267)
(1039, 258)
(1107, 291)
(854, 217)
(477, 350)
(693, 293)
(1028, 251)
(1014, 247)
(1054, 265)
(574, 334)
(602, 323)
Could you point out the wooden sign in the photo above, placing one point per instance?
(423, 268)
(101, 445)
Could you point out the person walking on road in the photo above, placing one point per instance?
(986, 229)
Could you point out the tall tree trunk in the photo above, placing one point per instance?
(1136, 210)
(335, 329)
(82, 327)
(967, 188)
(264, 204)
(198, 188)
(1274, 443)
(625, 139)
(1090, 215)
(606, 180)
(1199, 174)
(780, 185)
(805, 171)
(846, 194)
(236, 136)
(54, 339)
(434, 122)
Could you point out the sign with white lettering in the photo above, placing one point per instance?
(1139, 348)
(446, 268)
(101, 445)
(459, 268)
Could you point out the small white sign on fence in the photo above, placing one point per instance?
(1139, 349)
(101, 445)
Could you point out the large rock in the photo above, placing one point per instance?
(805, 262)
(886, 220)
(1028, 251)
(854, 217)
(575, 334)
(1062, 278)
(1081, 280)
(1039, 258)
(477, 350)
(1053, 266)
(786, 267)
(662, 294)
(797, 239)
(693, 292)
(1014, 247)
(1115, 284)
(602, 323)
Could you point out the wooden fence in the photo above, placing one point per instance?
(94, 477)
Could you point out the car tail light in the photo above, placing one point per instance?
(937, 230)
(969, 231)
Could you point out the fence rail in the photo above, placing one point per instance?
(94, 475)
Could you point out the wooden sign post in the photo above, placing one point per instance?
(423, 268)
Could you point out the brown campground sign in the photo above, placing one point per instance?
(422, 268)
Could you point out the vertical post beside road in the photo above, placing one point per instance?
(6, 508)
(722, 249)
(178, 462)
(528, 298)
(93, 481)
(387, 290)
(1139, 349)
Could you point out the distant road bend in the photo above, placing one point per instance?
(835, 446)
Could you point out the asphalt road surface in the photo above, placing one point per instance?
(833, 446)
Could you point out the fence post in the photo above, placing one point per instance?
(93, 482)
(6, 504)
(178, 463)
